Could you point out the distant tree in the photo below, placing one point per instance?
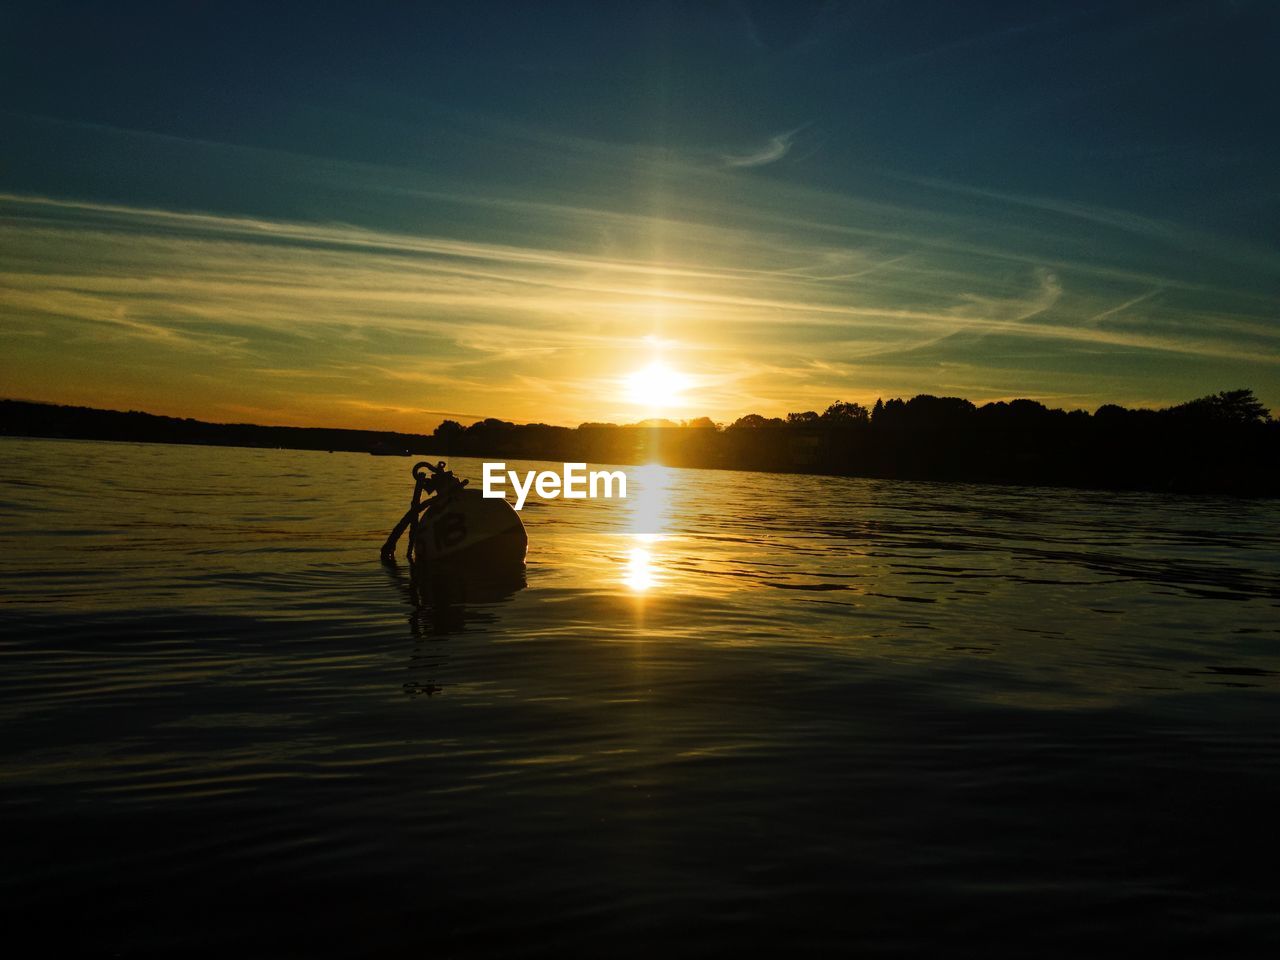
(1229, 406)
(1022, 415)
(893, 410)
(490, 424)
(878, 410)
(590, 425)
(448, 430)
(1225, 443)
(701, 423)
(802, 419)
(1028, 408)
(754, 420)
(845, 413)
(928, 410)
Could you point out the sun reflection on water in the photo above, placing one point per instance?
(649, 502)
(649, 499)
(640, 574)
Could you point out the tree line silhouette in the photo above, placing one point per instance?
(1223, 443)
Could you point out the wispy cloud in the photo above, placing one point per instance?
(417, 294)
(773, 150)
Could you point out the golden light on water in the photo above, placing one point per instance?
(640, 573)
(649, 499)
(649, 495)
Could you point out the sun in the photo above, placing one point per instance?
(656, 386)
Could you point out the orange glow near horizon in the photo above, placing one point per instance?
(238, 319)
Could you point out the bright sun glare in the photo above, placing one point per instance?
(656, 385)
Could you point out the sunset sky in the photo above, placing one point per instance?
(405, 212)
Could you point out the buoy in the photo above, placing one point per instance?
(466, 527)
(459, 530)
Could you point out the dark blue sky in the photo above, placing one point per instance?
(1054, 130)
(1149, 104)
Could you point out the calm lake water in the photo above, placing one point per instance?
(813, 715)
